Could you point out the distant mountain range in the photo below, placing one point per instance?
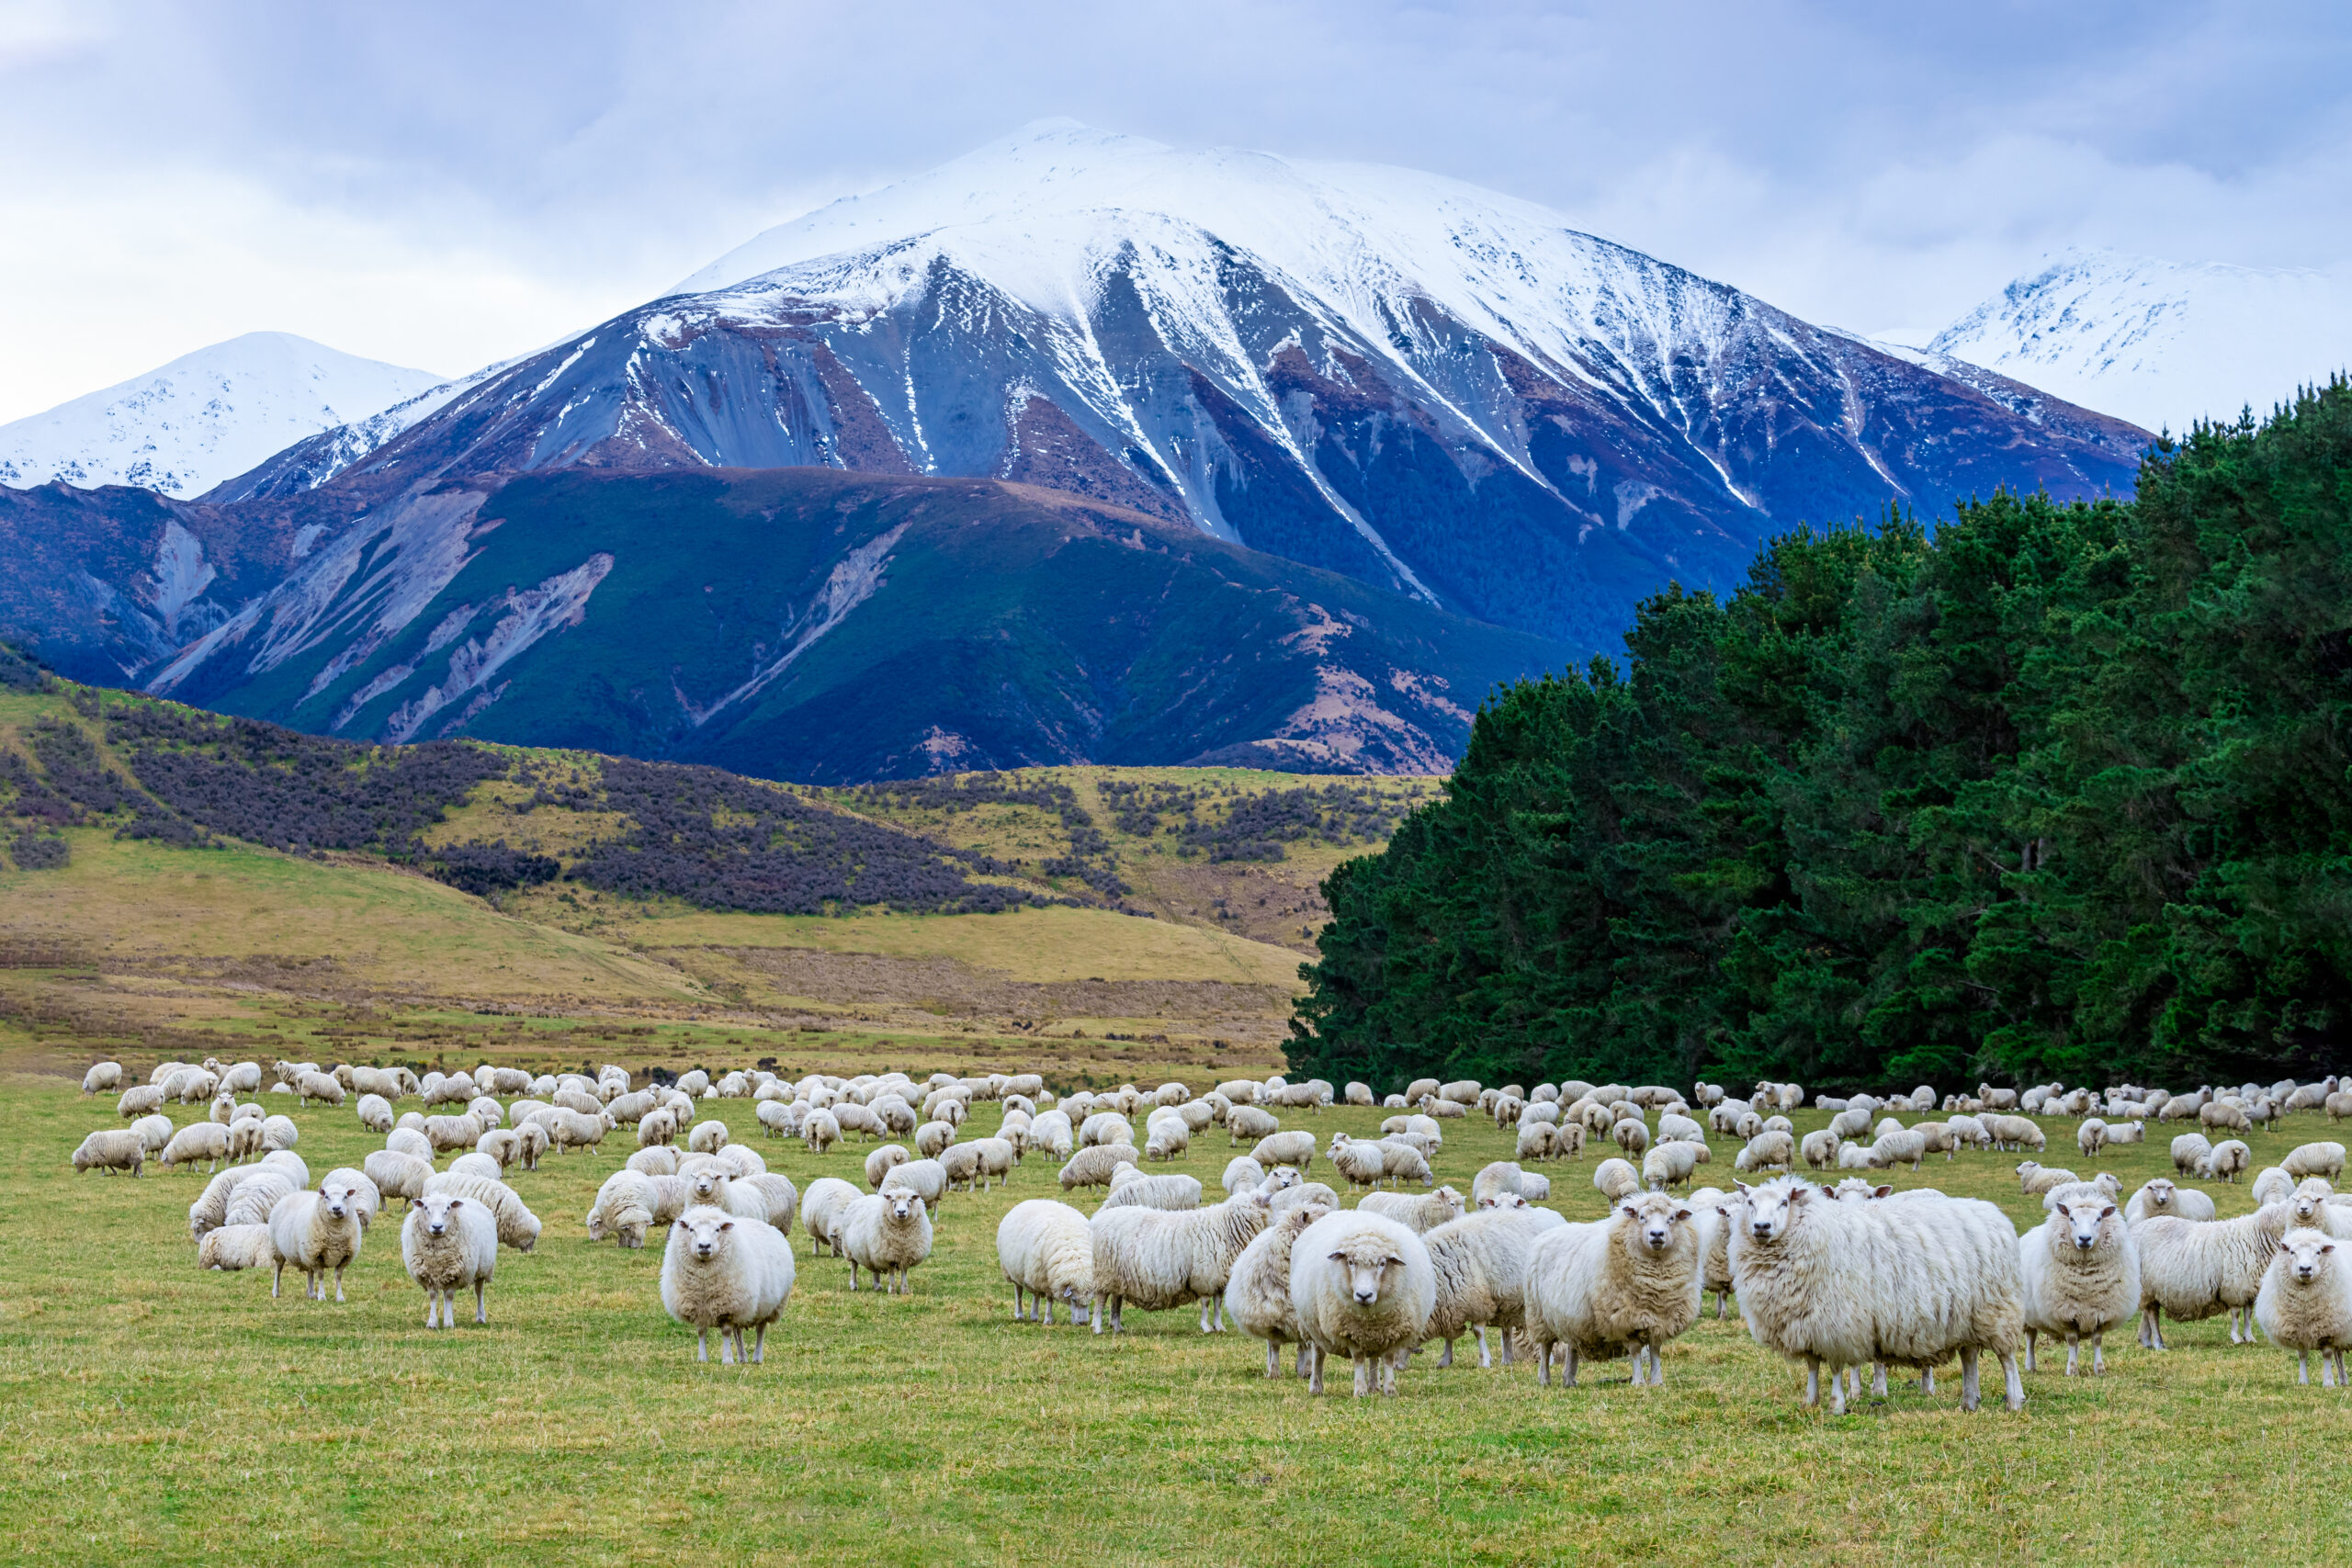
(1156, 454)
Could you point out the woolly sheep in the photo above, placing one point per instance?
(517, 1227)
(2225, 1113)
(2090, 1137)
(1502, 1176)
(1285, 1148)
(2037, 1178)
(375, 1113)
(207, 1141)
(822, 1207)
(719, 1271)
(927, 1179)
(446, 1243)
(2162, 1197)
(1417, 1212)
(1616, 1180)
(290, 1162)
(102, 1077)
(232, 1248)
(2314, 1160)
(139, 1100)
(2272, 1185)
(886, 1234)
(1671, 1165)
(2195, 1269)
(2305, 1304)
(1904, 1284)
(1257, 1293)
(321, 1087)
(1820, 1148)
(315, 1230)
(116, 1148)
(2013, 1133)
(477, 1163)
(2079, 1275)
(1536, 1141)
(397, 1174)
(1480, 1265)
(2188, 1150)
(1140, 1191)
(1621, 1285)
(153, 1131)
(879, 1162)
(707, 1137)
(1361, 1286)
(1157, 1258)
(1047, 1255)
(1242, 1171)
(1767, 1151)
(821, 1130)
(1250, 1122)
(2228, 1161)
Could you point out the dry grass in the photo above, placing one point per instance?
(157, 1412)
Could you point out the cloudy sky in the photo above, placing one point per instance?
(442, 185)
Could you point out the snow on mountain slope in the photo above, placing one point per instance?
(204, 417)
(2161, 342)
(312, 461)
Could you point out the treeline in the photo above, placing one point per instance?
(2057, 792)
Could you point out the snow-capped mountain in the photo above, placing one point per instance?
(311, 462)
(1443, 391)
(2161, 342)
(204, 417)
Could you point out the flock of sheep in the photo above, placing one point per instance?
(1833, 1278)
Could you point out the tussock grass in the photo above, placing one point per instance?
(149, 1411)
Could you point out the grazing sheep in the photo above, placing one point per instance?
(2090, 1137)
(886, 1234)
(1249, 1121)
(706, 1138)
(448, 1244)
(1242, 1171)
(730, 1274)
(1093, 1167)
(2305, 1304)
(823, 1208)
(2228, 1161)
(376, 1113)
(1140, 1191)
(315, 1230)
(1820, 1150)
(1671, 1165)
(1903, 1284)
(927, 1179)
(397, 1174)
(1362, 1287)
(2079, 1271)
(102, 1077)
(1613, 1286)
(2195, 1269)
(2037, 1178)
(1417, 1212)
(2271, 1185)
(2014, 1133)
(2224, 1115)
(1767, 1151)
(1480, 1265)
(2314, 1160)
(1616, 1180)
(1047, 1254)
(517, 1227)
(1157, 1259)
(207, 1141)
(476, 1163)
(111, 1149)
(1502, 1176)
(251, 1202)
(321, 1087)
(2188, 1151)
(879, 1162)
(932, 1137)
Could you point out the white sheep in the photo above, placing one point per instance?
(1671, 1165)
(1141, 1191)
(315, 1230)
(1047, 1255)
(2191, 1150)
(2314, 1160)
(823, 1208)
(446, 1243)
(103, 1078)
(2079, 1271)
(708, 1137)
(1767, 1151)
(207, 1141)
(517, 1227)
(2194, 1269)
(2161, 1196)
(1160, 1259)
(232, 1247)
(887, 1235)
(111, 1149)
(252, 1199)
(1616, 1180)
(2037, 1178)
(1906, 1283)
(1623, 1285)
(2305, 1304)
(719, 1271)
(1480, 1264)
(1417, 1212)
(1257, 1293)
(1361, 1286)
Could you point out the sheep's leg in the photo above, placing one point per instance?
(2098, 1352)
(481, 1304)
(2073, 1345)
(1274, 1358)
(1484, 1358)
(852, 1275)
(2012, 1385)
(1968, 1395)
(1854, 1381)
(702, 1343)
(1364, 1376)
(1878, 1380)
(1568, 1367)
(1306, 1354)
(1837, 1391)
(1813, 1381)
(338, 1287)
(2032, 1348)
(1505, 1337)
(1019, 1308)
(432, 1309)
(1927, 1381)
(1446, 1357)
(1543, 1363)
(1315, 1370)
(1217, 1316)
(1097, 1312)
(726, 1346)
(1657, 1368)
(1204, 1314)
(2303, 1367)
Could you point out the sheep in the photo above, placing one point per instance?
(315, 1230)
(1257, 1293)
(1480, 1264)
(2079, 1274)
(1536, 1140)
(878, 1163)
(448, 1244)
(232, 1248)
(1242, 1171)
(321, 1087)
(823, 1208)
(2162, 1197)
(103, 1078)
(2090, 1137)
(397, 1174)
(887, 1235)
(1820, 1150)
(2271, 1185)
(2224, 1115)
(1167, 1139)
(251, 1202)
(288, 1161)
(207, 1141)
(2305, 1304)
(111, 1149)
(476, 1163)
(1671, 1165)
(2195, 1269)
(1624, 1284)
(1767, 1151)
(1047, 1255)
(1249, 1121)
(1631, 1136)
(2188, 1151)
(2037, 1178)
(1140, 1191)
(517, 1227)
(2314, 1160)
(708, 1137)
(1358, 1094)
(820, 1130)
(1502, 1176)
(1906, 1283)
(1417, 1212)
(2227, 1162)
(1361, 1286)
(1616, 1180)
(1160, 1259)
(722, 1272)
(927, 1179)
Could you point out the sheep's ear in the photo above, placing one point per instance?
(1338, 1257)
(1681, 1214)
(727, 1224)
(1743, 1186)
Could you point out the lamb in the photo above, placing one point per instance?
(1615, 1180)
(111, 1149)
(1166, 1192)
(1159, 1259)
(2161, 1197)
(1361, 1286)
(232, 1247)
(315, 1230)
(517, 1227)
(207, 1141)
(2079, 1271)
(1906, 1283)
(1767, 1151)
(1417, 1212)
(1626, 1283)
(726, 1273)
(448, 1243)
(2305, 1304)
(887, 1235)
(2228, 1161)
(1047, 1255)
(2195, 1269)
(823, 1208)
(2037, 1178)
(1480, 1264)
(2314, 1160)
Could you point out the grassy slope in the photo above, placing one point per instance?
(179, 1417)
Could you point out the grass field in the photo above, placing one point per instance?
(155, 1413)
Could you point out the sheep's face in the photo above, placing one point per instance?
(1502, 1200)
(707, 1233)
(2083, 1221)
(1653, 1217)
(1773, 1207)
(1367, 1273)
(2309, 1199)
(904, 1206)
(438, 1208)
(2305, 1254)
